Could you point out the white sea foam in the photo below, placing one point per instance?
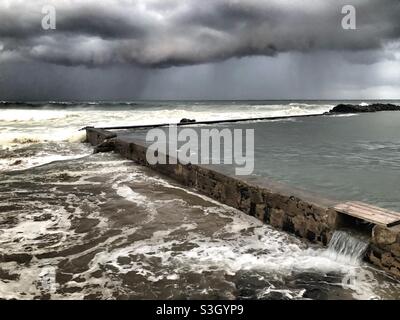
(140, 200)
(344, 115)
(240, 243)
(20, 127)
(39, 159)
(283, 255)
(21, 136)
(17, 115)
(100, 117)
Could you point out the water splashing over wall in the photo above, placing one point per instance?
(347, 248)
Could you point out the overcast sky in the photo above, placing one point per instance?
(191, 49)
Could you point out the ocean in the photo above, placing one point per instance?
(74, 224)
(42, 132)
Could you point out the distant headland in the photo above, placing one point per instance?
(353, 108)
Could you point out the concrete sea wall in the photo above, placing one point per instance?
(291, 210)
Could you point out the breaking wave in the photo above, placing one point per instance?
(55, 124)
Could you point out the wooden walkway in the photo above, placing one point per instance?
(367, 212)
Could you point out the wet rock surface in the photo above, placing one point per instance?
(185, 120)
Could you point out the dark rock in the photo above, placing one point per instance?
(288, 226)
(244, 193)
(252, 209)
(376, 107)
(106, 146)
(185, 120)
(324, 239)
(310, 236)
(267, 214)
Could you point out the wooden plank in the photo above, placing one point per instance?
(369, 213)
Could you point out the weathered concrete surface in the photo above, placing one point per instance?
(288, 209)
(97, 136)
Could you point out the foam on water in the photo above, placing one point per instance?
(24, 157)
(140, 200)
(187, 235)
(25, 125)
(58, 124)
(100, 225)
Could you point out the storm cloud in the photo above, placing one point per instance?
(192, 49)
(165, 33)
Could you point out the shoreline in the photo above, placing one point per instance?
(337, 110)
(303, 214)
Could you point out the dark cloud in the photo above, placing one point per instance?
(321, 75)
(163, 33)
(192, 49)
(28, 81)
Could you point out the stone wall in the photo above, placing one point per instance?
(384, 250)
(281, 208)
(288, 212)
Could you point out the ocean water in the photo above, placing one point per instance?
(352, 157)
(78, 225)
(32, 134)
(343, 157)
(101, 227)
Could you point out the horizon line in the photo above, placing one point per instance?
(190, 100)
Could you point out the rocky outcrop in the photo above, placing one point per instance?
(185, 120)
(352, 108)
(384, 250)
